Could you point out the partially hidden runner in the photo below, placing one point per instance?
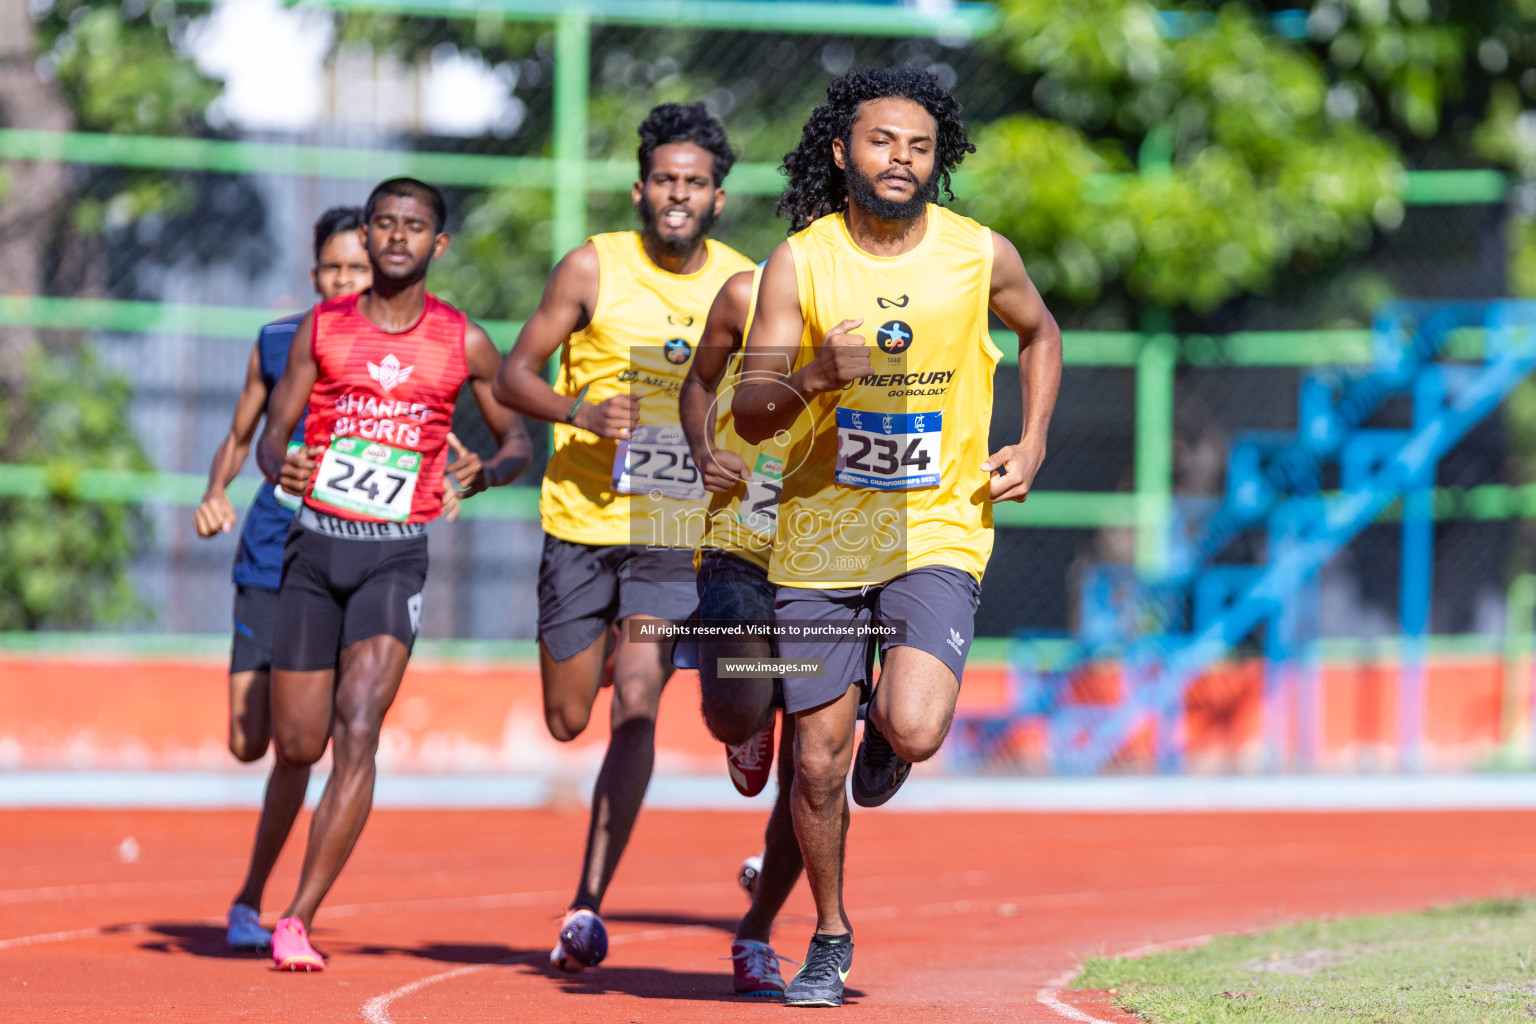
(341, 268)
(880, 301)
(380, 373)
(733, 588)
(622, 503)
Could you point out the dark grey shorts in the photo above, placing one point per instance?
(934, 606)
(585, 588)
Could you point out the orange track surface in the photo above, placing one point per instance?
(957, 917)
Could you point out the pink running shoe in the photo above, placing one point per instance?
(291, 948)
(751, 763)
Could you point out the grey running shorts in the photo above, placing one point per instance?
(585, 588)
(934, 607)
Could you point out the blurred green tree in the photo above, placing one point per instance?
(1240, 168)
(91, 65)
(65, 563)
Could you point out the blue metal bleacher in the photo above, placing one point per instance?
(1163, 629)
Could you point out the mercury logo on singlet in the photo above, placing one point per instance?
(906, 385)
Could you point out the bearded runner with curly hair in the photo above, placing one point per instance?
(622, 504)
(872, 322)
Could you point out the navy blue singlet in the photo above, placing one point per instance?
(259, 562)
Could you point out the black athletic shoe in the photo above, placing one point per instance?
(819, 982)
(877, 772)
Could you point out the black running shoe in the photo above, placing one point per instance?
(877, 772)
(819, 982)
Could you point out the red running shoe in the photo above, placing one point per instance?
(751, 762)
(755, 972)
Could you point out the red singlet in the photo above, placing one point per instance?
(394, 394)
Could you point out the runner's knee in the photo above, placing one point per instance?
(635, 695)
(244, 746)
(566, 722)
(300, 747)
(820, 773)
(356, 736)
(915, 738)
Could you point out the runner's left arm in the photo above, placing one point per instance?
(291, 470)
(1018, 304)
(214, 513)
(514, 448)
(696, 402)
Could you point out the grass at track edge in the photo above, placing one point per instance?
(1474, 962)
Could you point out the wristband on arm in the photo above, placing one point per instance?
(581, 397)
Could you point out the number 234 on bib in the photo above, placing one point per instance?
(888, 451)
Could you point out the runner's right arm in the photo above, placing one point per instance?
(514, 448)
(722, 469)
(215, 514)
(770, 396)
(293, 470)
(569, 301)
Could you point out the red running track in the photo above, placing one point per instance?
(448, 916)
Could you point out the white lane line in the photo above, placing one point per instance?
(35, 940)
(53, 893)
(376, 1010)
(1047, 996)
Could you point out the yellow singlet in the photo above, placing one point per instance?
(640, 341)
(743, 521)
(892, 479)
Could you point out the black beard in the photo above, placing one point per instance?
(676, 248)
(861, 191)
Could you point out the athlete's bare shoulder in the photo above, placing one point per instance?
(779, 281)
(480, 351)
(736, 294)
(1007, 266)
(571, 294)
(579, 270)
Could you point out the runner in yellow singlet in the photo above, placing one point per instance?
(733, 587)
(622, 505)
(881, 302)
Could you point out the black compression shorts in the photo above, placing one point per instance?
(255, 616)
(338, 591)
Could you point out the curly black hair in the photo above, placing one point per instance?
(674, 122)
(817, 186)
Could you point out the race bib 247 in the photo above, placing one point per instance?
(367, 477)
